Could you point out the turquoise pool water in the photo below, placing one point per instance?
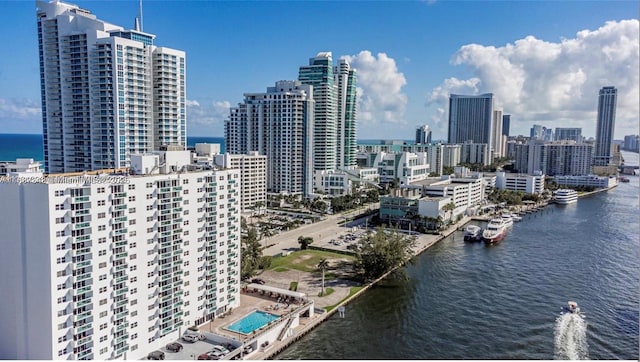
(252, 322)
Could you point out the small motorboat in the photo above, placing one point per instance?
(572, 307)
(516, 217)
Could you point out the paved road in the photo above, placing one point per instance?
(321, 232)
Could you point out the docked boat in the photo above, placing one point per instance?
(516, 217)
(566, 196)
(495, 231)
(508, 220)
(571, 307)
(473, 233)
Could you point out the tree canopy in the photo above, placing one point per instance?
(251, 254)
(381, 252)
(304, 242)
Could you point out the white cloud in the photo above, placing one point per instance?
(20, 115)
(536, 80)
(207, 118)
(19, 109)
(380, 96)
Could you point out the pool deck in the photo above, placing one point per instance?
(249, 302)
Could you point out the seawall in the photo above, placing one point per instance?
(427, 241)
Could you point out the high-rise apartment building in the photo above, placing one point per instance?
(471, 118)
(346, 139)
(277, 124)
(568, 134)
(537, 132)
(558, 158)
(107, 93)
(114, 266)
(631, 143)
(497, 147)
(605, 126)
(475, 153)
(319, 74)
(541, 133)
(506, 124)
(423, 135)
(253, 177)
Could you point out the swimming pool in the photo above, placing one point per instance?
(252, 322)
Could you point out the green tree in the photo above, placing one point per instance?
(447, 170)
(304, 241)
(448, 208)
(381, 252)
(251, 254)
(323, 265)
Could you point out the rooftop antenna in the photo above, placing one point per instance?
(141, 22)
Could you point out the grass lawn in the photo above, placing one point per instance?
(305, 260)
(352, 291)
(327, 291)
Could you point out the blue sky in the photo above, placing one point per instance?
(544, 61)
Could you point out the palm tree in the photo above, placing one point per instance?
(447, 208)
(304, 241)
(323, 265)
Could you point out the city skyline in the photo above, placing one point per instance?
(401, 84)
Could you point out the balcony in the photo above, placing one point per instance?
(79, 199)
(79, 226)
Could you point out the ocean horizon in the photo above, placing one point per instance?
(29, 145)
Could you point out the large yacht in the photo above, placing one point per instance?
(473, 233)
(566, 196)
(508, 220)
(495, 231)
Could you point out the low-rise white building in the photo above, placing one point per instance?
(587, 180)
(530, 184)
(20, 165)
(406, 167)
(332, 183)
(113, 266)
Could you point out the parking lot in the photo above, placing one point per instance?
(191, 351)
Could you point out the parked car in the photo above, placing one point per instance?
(213, 354)
(221, 349)
(190, 338)
(174, 347)
(229, 346)
(156, 355)
(207, 356)
(257, 281)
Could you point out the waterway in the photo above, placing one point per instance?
(469, 301)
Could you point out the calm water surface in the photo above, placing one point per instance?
(469, 301)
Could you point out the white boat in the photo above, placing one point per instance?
(516, 217)
(566, 196)
(495, 231)
(473, 233)
(572, 307)
(508, 220)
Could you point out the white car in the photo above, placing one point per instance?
(219, 348)
(190, 338)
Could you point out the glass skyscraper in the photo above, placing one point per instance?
(605, 126)
(470, 118)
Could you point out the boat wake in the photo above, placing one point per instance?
(571, 337)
